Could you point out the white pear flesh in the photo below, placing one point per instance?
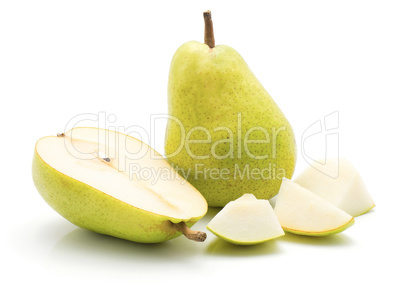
(114, 184)
(246, 221)
(302, 212)
(337, 181)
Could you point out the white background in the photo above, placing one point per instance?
(59, 59)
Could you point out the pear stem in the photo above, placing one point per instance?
(209, 38)
(194, 235)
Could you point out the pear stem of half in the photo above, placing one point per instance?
(209, 38)
(190, 234)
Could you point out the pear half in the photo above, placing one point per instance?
(337, 181)
(302, 212)
(114, 184)
(246, 221)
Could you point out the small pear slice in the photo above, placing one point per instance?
(338, 182)
(114, 184)
(246, 221)
(302, 212)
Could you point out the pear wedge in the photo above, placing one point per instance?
(337, 181)
(246, 221)
(302, 212)
(114, 184)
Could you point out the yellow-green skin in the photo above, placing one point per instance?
(324, 233)
(94, 210)
(241, 243)
(209, 88)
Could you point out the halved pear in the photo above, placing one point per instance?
(302, 212)
(246, 221)
(114, 184)
(337, 181)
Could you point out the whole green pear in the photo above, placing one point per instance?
(225, 133)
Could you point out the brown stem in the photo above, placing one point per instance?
(190, 234)
(209, 38)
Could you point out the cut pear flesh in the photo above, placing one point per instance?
(246, 221)
(114, 184)
(302, 212)
(337, 181)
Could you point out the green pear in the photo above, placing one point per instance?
(114, 184)
(246, 221)
(225, 134)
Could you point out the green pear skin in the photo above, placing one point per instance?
(219, 112)
(325, 233)
(94, 210)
